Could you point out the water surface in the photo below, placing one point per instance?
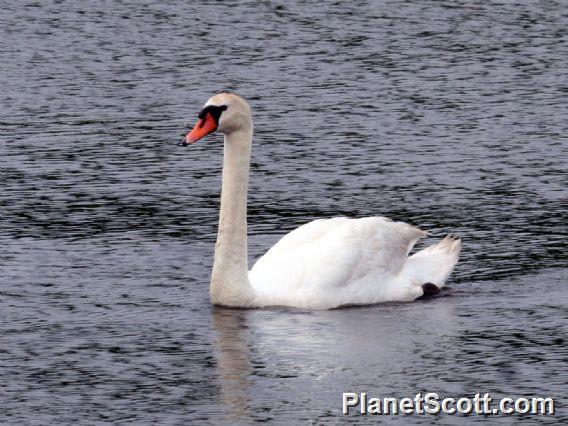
(448, 115)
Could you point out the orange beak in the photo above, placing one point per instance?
(202, 128)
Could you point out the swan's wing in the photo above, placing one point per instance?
(305, 234)
(330, 254)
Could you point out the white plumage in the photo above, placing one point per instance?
(323, 264)
(335, 262)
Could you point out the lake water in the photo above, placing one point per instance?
(448, 115)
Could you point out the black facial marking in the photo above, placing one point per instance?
(214, 110)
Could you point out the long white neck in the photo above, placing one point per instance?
(229, 280)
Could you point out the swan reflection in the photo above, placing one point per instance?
(322, 354)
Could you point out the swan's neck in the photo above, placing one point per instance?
(229, 280)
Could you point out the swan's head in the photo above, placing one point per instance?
(225, 113)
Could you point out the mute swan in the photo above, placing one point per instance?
(323, 264)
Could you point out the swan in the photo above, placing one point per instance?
(324, 264)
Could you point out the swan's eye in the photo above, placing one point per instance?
(214, 110)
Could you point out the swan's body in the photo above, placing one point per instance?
(321, 265)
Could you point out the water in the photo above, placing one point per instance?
(447, 115)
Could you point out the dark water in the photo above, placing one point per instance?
(448, 115)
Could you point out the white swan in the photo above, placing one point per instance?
(321, 265)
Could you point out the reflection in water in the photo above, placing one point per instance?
(359, 349)
(273, 361)
(233, 359)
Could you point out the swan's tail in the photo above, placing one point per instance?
(434, 264)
